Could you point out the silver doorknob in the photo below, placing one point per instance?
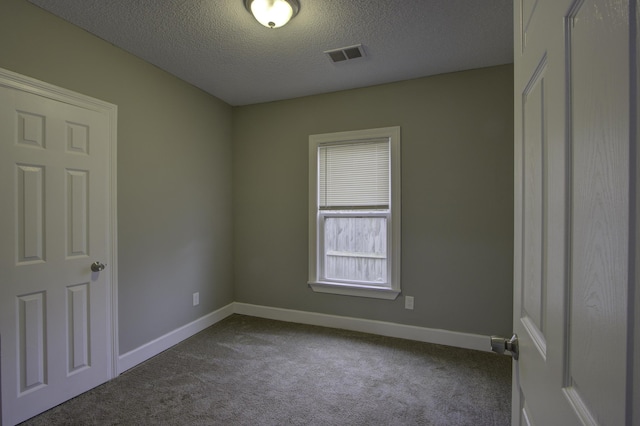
(500, 344)
(97, 266)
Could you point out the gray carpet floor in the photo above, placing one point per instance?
(251, 371)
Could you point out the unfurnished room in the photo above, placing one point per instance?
(319, 212)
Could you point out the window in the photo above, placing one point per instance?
(354, 213)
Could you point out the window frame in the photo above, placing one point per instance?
(392, 288)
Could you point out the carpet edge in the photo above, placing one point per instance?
(402, 331)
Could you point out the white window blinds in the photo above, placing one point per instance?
(354, 175)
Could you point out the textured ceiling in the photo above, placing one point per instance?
(218, 46)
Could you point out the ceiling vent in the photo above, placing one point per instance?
(345, 53)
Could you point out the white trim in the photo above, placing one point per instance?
(113, 239)
(394, 228)
(40, 88)
(382, 328)
(162, 343)
(402, 331)
(354, 290)
(46, 90)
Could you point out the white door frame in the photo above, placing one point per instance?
(30, 85)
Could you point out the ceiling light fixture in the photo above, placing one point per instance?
(272, 13)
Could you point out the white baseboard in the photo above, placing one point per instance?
(162, 343)
(421, 334)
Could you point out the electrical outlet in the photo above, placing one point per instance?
(196, 298)
(408, 302)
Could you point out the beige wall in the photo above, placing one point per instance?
(457, 198)
(174, 169)
(183, 227)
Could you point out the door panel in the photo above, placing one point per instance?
(31, 336)
(55, 320)
(572, 222)
(31, 227)
(534, 203)
(77, 212)
(599, 129)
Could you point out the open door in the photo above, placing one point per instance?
(575, 213)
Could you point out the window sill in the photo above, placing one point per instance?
(354, 290)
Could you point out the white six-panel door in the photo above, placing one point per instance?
(55, 221)
(572, 212)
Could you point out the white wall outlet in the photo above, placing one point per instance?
(196, 298)
(408, 302)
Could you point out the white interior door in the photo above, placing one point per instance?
(55, 221)
(572, 212)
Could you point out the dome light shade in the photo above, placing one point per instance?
(272, 13)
